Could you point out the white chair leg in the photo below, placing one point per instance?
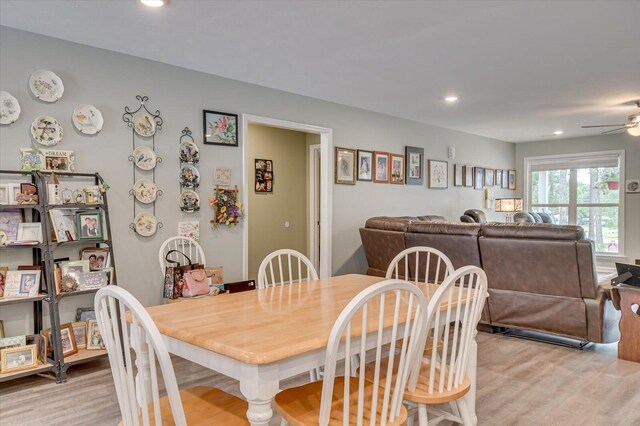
(423, 420)
(410, 419)
(464, 413)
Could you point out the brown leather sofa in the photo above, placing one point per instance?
(541, 277)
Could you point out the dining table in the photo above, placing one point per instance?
(264, 336)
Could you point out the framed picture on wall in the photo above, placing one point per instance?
(397, 168)
(438, 174)
(414, 174)
(499, 178)
(365, 165)
(345, 166)
(505, 179)
(220, 128)
(489, 177)
(478, 177)
(512, 179)
(381, 167)
(458, 175)
(264, 175)
(467, 176)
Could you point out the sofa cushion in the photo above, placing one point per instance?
(432, 218)
(533, 230)
(390, 223)
(447, 228)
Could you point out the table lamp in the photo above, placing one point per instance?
(509, 206)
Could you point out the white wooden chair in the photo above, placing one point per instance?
(141, 403)
(427, 265)
(442, 377)
(296, 268)
(188, 246)
(397, 306)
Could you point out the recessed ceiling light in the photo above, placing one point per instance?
(451, 98)
(153, 3)
(558, 132)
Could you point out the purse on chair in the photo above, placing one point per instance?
(195, 283)
(174, 281)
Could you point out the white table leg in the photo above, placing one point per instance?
(470, 397)
(259, 385)
(144, 368)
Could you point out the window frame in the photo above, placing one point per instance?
(573, 204)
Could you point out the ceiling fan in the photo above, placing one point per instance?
(632, 127)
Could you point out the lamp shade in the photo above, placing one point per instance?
(634, 131)
(509, 205)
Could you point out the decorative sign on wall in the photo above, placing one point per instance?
(264, 175)
(223, 177)
(189, 229)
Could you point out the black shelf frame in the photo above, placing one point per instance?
(43, 254)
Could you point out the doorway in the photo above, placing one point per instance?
(317, 201)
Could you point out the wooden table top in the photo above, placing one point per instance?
(264, 325)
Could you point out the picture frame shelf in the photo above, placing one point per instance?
(39, 369)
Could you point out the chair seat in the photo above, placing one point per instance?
(301, 405)
(205, 406)
(421, 393)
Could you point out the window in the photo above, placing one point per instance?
(581, 189)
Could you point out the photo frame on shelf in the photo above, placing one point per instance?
(438, 174)
(458, 175)
(75, 267)
(365, 165)
(397, 169)
(3, 280)
(80, 334)
(94, 338)
(30, 231)
(59, 161)
(263, 175)
(489, 177)
(22, 283)
(380, 167)
(345, 165)
(10, 220)
(85, 314)
(93, 279)
(98, 257)
(63, 223)
(512, 179)
(28, 194)
(478, 177)
(220, 128)
(19, 358)
(68, 340)
(414, 157)
(89, 225)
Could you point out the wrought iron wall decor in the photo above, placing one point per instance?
(145, 124)
(189, 177)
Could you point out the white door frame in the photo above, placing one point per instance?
(326, 173)
(314, 152)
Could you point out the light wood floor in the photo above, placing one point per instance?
(520, 382)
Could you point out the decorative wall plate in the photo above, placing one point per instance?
(146, 224)
(145, 191)
(145, 158)
(189, 176)
(87, 119)
(189, 201)
(46, 130)
(10, 108)
(144, 123)
(46, 85)
(189, 152)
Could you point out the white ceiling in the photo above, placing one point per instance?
(521, 69)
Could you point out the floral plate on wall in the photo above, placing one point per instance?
(144, 124)
(46, 85)
(144, 158)
(46, 130)
(189, 201)
(189, 176)
(9, 108)
(87, 119)
(189, 152)
(146, 224)
(145, 191)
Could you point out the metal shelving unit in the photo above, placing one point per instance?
(43, 254)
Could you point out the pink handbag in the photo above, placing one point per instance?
(195, 283)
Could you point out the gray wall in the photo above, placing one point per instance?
(621, 141)
(111, 80)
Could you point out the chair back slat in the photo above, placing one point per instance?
(382, 313)
(420, 265)
(186, 245)
(133, 343)
(454, 313)
(278, 269)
